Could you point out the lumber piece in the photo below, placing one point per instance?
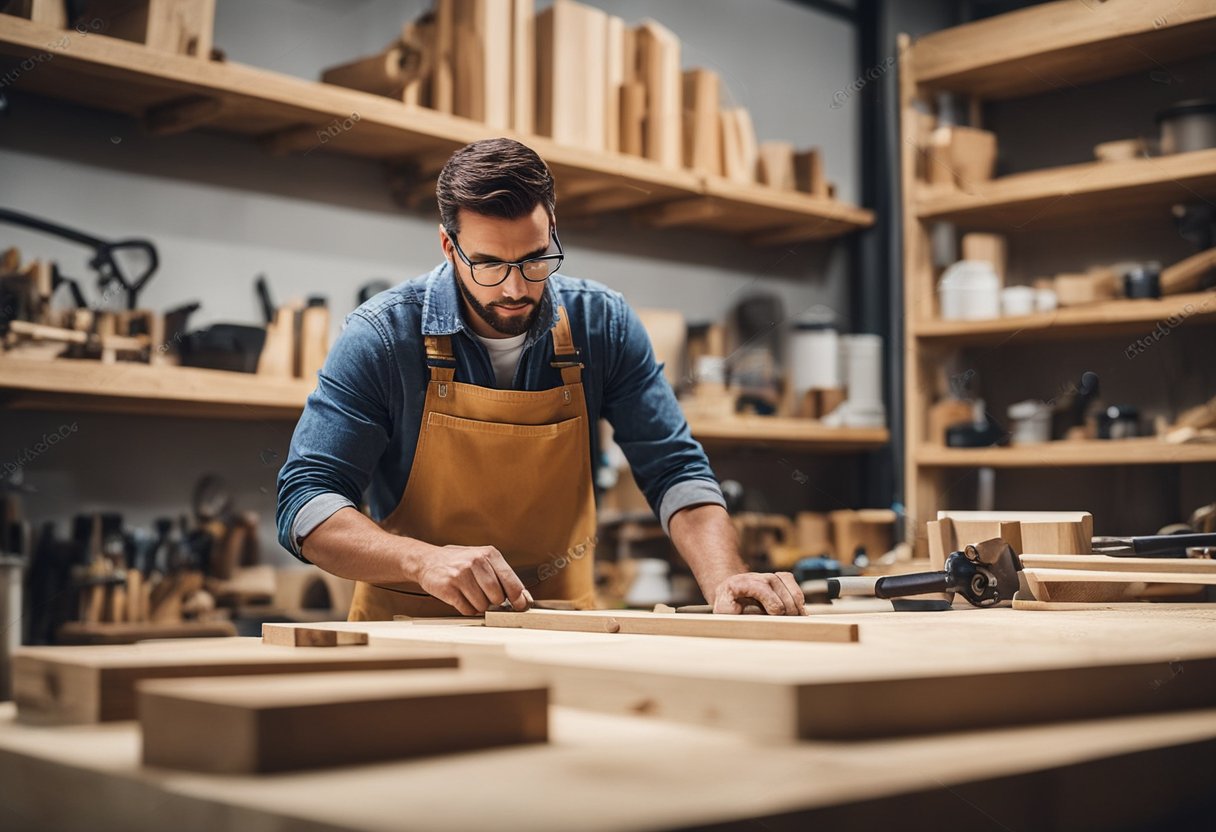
(702, 133)
(571, 71)
(311, 637)
(918, 674)
(261, 724)
(97, 684)
(658, 55)
(1085, 585)
(808, 173)
(1108, 563)
(776, 165)
(523, 66)
(791, 628)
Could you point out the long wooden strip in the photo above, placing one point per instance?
(97, 684)
(682, 624)
(285, 723)
(1111, 577)
(1106, 563)
(310, 637)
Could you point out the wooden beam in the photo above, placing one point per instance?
(181, 115)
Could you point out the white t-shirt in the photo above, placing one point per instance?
(504, 355)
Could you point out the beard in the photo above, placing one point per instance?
(507, 326)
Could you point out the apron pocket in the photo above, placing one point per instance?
(443, 420)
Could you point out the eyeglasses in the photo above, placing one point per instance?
(533, 270)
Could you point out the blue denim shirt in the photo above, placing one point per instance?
(360, 426)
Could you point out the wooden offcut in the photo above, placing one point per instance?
(571, 44)
(776, 165)
(288, 723)
(1082, 585)
(808, 173)
(283, 636)
(97, 684)
(523, 66)
(785, 628)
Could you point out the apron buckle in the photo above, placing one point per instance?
(566, 395)
(443, 390)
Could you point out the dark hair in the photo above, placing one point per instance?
(494, 177)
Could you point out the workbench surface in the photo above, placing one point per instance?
(614, 771)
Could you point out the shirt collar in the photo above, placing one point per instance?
(441, 305)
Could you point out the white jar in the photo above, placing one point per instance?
(970, 290)
(1017, 300)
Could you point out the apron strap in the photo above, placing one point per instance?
(440, 358)
(565, 354)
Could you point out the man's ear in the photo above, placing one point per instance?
(445, 245)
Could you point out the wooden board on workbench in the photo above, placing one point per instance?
(285, 723)
(914, 673)
(311, 637)
(1084, 585)
(786, 628)
(97, 684)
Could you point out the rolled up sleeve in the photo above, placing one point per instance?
(341, 435)
(648, 424)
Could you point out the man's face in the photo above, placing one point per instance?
(510, 307)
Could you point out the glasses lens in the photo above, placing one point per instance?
(488, 274)
(539, 269)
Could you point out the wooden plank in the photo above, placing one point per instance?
(914, 673)
(571, 40)
(614, 78)
(1086, 585)
(702, 130)
(443, 83)
(523, 66)
(776, 165)
(287, 723)
(1105, 563)
(129, 632)
(97, 684)
(658, 50)
(795, 628)
(282, 636)
(1108, 606)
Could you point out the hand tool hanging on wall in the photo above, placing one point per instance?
(1152, 546)
(108, 267)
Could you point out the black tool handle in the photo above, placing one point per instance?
(1170, 544)
(901, 586)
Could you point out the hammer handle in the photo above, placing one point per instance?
(901, 586)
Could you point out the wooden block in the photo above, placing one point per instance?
(523, 67)
(776, 165)
(178, 27)
(614, 77)
(97, 684)
(310, 637)
(972, 156)
(633, 118)
(749, 152)
(1039, 532)
(733, 165)
(702, 130)
(870, 529)
(571, 42)
(482, 61)
(790, 628)
(314, 341)
(808, 173)
(1106, 563)
(986, 248)
(1082, 289)
(278, 357)
(288, 723)
(443, 84)
(380, 74)
(658, 51)
(813, 533)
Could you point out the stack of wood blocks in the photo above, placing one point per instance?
(584, 78)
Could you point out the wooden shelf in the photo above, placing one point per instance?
(172, 93)
(1062, 44)
(1070, 454)
(1092, 193)
(128, 387)
(786, 433)
(1135, 317)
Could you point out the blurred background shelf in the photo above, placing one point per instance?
(789, 433)
(1076, 194)
(1042, 48)
(1096, 320)
(1071, 453)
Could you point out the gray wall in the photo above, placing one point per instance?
(222, 212)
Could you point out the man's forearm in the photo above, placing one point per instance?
(705, 537)
(348, 544)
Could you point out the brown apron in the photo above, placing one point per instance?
(503, 468)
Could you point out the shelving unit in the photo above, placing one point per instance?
(1038, 50)
(128, 387)
(172, 94)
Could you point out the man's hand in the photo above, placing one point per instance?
(471, 578)
(777, 593)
